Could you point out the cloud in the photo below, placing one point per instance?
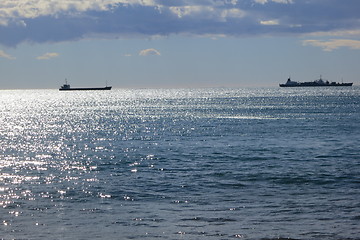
(206, 12)
(333, 44)
(270, 22)
(15, 10)
(5, 55)
(340, 33)
(150, 51)
(47, 56)
(39, 21)
(276, 1)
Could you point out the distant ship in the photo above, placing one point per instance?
(317, 83)
(66, 87)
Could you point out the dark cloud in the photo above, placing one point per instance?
(205, 17)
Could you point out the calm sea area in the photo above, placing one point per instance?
(221, 163)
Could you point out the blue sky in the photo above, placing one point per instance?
(177, 43)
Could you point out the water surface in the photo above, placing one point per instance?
(180, 164)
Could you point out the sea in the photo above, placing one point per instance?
(212, 163)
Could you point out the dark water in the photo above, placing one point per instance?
(180, 164)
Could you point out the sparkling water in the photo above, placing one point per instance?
(180, 164)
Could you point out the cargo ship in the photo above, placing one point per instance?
(66, 87)
(317, 83)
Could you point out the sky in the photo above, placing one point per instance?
(177, 43)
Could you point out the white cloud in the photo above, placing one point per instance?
(182, 11)
(47, 56)
(232, 13)
(149, 51)
(207, 12)
(276, 1)
(5, 55)
(340, 33)
(333, 44)
(270, 22)
(17, 9)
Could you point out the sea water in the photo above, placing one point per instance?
(180, 164)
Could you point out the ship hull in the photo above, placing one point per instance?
(84, 89)
(316, 85)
